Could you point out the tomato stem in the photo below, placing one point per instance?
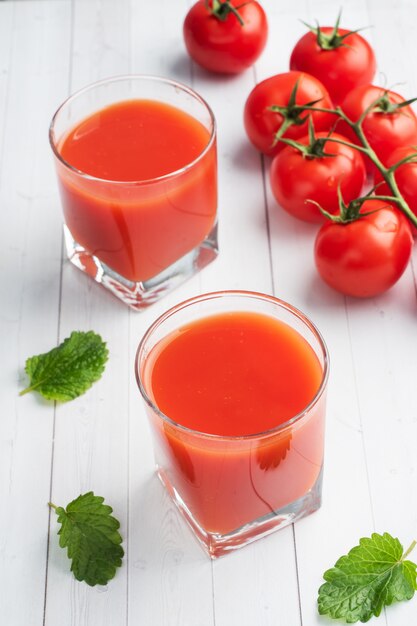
(383, 198)
(347, 143)
(221, 9)
(411, 158)
(388, 174)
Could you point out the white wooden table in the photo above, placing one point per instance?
(101, 442)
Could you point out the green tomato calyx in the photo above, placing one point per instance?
(221, 9)
(315, 147)
(351, 212)
(334, 39)
(386, 106)
(292, 113)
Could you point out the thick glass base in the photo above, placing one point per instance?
(217, 545)
(139, 295)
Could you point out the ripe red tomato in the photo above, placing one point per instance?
(387, 127)
(262, 124)
(365, 257)
(405, 177)
(339, 58)
(298, 177)
(225, 36)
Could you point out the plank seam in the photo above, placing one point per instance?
(297, 573)
(61, 272)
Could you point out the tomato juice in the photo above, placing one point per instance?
(138, 185)
(241, 432)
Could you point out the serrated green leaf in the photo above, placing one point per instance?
(90, 534)
(372, 575)
(69, 370)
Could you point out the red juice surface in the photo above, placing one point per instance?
(232, 375)
(141, 227)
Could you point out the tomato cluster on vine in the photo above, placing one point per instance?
(331, 134)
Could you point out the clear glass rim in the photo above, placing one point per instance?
(143, 77)
(245, 294)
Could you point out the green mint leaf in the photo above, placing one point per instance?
(67, 371)
(90, 534)
(372, 575)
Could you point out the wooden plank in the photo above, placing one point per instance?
(388, 333)
(170, 578)
(91, 438)
(33, 45)
(296, 280)
(258, 584)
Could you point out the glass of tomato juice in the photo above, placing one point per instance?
(136, 164)
(234, 384)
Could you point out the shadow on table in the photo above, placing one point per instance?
(158, 536)
(168, 572)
